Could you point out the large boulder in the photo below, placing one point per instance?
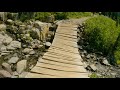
(7, 67)
(3, 27)
(7, 40)
(38, 24)
(35, 33)
(5, 74)
(21, 66)
(14, 45)
(3, 48)
(13, 60)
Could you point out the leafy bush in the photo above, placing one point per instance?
(101, 33)
(41, 15)
(58, 15)
(78, 14)
(117, 49)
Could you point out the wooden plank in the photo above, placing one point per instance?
(62, 57)
(64, 52)
(70, 49)
(58, 63)
(59, 73)
(37, 75)
(62, 60)
(67, 69)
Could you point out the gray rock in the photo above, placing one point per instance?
(15, 55)
(88, 56)
(18, 22)
(38, 24)
(3, 54)
(85, 52)
(2, 27)
(7, 40)
(10, 22)
(14, 45)
(13, 60)
(8, 57)
(80, 47)
(32, 52)
(21, 66)
(93, 67)
(82, 55)
(48, 44)
(40, 46)
(7, 67)
(9, 47)
(27, 50)
(85, 65)
(5, 74)
(24, 46)
(3, 48)
(105, 61)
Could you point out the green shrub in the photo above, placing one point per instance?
(78, 14)
(41, 15)
(101, 33)
(117, 49)
(58, 15)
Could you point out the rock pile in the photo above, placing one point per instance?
(21, 44)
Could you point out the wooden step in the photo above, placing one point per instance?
(59, 73)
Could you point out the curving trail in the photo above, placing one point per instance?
(62, 59)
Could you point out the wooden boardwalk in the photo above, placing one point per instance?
(62, 59)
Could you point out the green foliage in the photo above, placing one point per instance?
(58, 15)
(41, 15)
(94, 75)
(113, 15)
(117, 49)
(101, 33)
(78, 14)
(25, 15)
